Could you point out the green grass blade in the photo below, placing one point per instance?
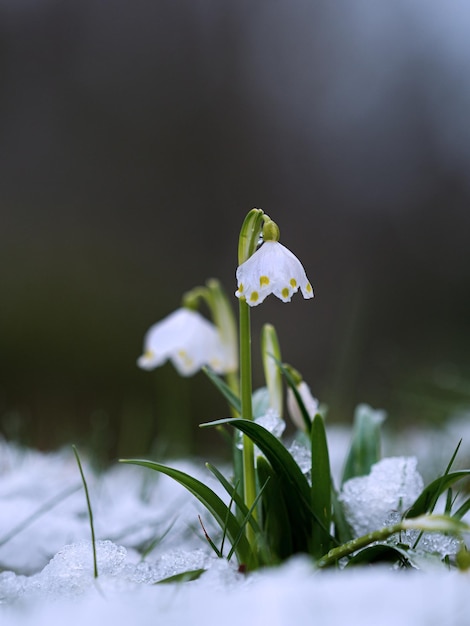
(213, 504)
(464, 508)
(321, 488)
(428, 497)
(234, 494)
(294, 485)
(90, 511)
(209, 540)
(184, 577)
(249, 516)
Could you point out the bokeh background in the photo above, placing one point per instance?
(136, 135)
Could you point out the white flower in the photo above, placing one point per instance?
(188, 340)
(272, 269)
(310, 403)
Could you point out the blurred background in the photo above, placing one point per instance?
(135, 136)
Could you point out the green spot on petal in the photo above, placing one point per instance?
(285, 292)
(293, 282)
(308, 287)
(263, 280)
(254, 296)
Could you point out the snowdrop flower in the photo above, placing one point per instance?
(188, 340)
(272, 269)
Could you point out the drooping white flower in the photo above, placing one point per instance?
(272, 269)
(188, 340)
(310, 403)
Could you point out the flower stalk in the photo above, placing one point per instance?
(248, 241)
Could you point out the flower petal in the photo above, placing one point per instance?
(188, 340)
(272, 269)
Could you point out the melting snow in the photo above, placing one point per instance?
(47, 565)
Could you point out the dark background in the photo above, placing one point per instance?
(135, 136)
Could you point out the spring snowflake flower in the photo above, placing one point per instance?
(188, 340)
(272, 269)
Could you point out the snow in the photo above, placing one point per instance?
(48, 564)
(378, 499)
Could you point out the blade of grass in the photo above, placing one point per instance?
(249, 515)
(90, 512)
(209, 540)
(464, 508)
(235, 495)
(184, 577)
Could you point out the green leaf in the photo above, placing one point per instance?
(343, 532)
(464, 508)
(365, 444)
(184, 577)
(293, 484)
(229, 395)
(321, 488)
(221, 513)
(275, 516)
(428, 497)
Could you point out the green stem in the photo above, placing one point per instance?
(348, 548)
(249, 481)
